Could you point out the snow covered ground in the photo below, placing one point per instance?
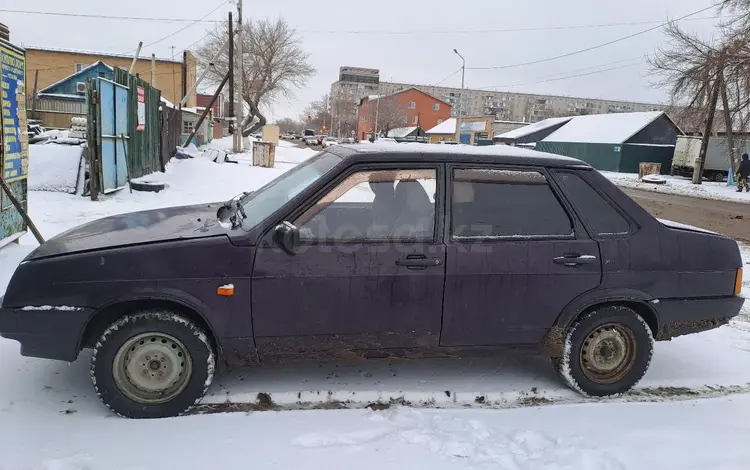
(681, 186)
(490, 414)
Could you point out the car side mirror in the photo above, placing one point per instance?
(287, 236)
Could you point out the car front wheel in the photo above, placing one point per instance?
(152, 364)
(607, 352)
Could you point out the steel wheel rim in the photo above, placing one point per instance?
(152, 368)
(608, 353)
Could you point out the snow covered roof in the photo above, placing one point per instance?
(458, 150)
(401, 132)
(62, 96)
(603, 128)
(99, 54)
(532, 128)
(84, 70)
(445, 127)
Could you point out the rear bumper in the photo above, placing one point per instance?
(48, 332)
(679, 317)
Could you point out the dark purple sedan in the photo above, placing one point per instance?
(376, 251)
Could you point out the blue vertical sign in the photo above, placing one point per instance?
(12, 73)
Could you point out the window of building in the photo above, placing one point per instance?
(412, 105)
(80, 67)
(436, 107)
(101, 74)
(415, 120)
(374, 205)
(187, 127)
(490, 203)
(599, 214)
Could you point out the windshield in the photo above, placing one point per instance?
(271, 197)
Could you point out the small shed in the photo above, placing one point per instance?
(445, 131)
(408, 134)
(56, 104)
(532, 133)
(616, 142)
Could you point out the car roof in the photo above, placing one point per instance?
(502, 154)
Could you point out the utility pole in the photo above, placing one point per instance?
(231, 75)
(135, 58)
(239, 110)
(700, 161)
(728, 124)
(153, 70)
(461, 99)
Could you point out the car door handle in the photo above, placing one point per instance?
(572, 260)
(416, 263)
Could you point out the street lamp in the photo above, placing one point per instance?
(461, 98)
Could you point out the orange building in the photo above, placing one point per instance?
(406, 108)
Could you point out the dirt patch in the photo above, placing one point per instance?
(534, 401)
(729, 218)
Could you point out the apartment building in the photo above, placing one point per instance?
(523, 107)
(354, 83)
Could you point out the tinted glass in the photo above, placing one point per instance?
(596, 211)
(374, 205)
(503, 203)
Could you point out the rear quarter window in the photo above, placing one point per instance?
(600, 216)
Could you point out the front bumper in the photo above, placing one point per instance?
(46, 332)
(679, 317)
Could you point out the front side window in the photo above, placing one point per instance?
(600, 216)
(436, 107)
(262, 203)
(412, 105)
(415, 120)
(374, 205)
(490, 203)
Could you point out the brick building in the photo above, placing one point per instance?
(218, 114)
(405, 108)
(54, 65)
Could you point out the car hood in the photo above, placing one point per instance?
(159, 225)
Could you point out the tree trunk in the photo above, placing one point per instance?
(728, 124)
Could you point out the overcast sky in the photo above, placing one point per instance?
(422, 57)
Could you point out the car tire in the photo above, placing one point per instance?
(606, 352)
(153, 364)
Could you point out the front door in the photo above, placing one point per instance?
(516, 257)
(369, 273)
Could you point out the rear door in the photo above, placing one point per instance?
(516, 256)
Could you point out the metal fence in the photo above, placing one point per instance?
(144, 125)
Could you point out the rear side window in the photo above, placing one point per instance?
(487, 203)
(599, 214)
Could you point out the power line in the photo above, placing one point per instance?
(449, 76)
(589, 48)
(568, 72)
(186, 27)
(595, 72)
(492, 31)
(107, 17)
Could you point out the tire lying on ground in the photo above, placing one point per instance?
(153, 364)
(147, 186)
(607, 352)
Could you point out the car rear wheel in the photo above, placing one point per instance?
(607, 352)
(153, 364)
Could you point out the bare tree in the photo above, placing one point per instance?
(344, 115)
(317, 114)
(288, 125)
(275, 65)
(390, 113)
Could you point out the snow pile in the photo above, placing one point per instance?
(532, 128)
(56, 168)
(680, 186)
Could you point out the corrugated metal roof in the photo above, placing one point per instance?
(603, 128)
